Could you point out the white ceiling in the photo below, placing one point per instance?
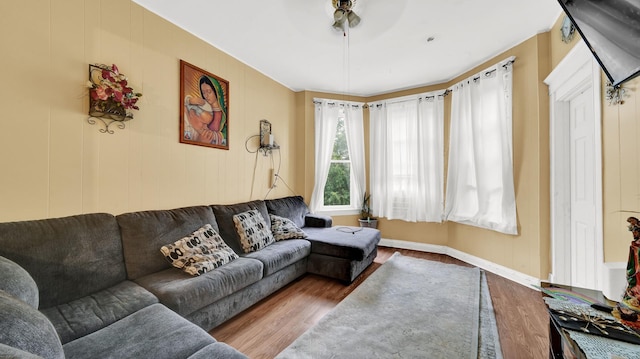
(292, 41)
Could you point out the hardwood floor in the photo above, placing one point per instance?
(269, 326)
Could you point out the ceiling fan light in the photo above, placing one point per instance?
(354, 19)
(338, 26)
(338, 16)
(345, 4)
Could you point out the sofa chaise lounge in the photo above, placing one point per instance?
(97, 286)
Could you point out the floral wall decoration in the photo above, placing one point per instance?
(110, 96)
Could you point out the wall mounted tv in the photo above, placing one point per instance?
(611, 30)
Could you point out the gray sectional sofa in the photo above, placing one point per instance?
(97, 286)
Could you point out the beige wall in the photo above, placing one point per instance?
(53, 163)
(560, 49)
(621, 177)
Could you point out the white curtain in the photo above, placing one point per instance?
(354, 126)
(407, 155)
(480, 190)
(327, 113)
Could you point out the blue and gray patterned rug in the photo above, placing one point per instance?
(408, 308)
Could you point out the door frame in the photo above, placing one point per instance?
(575, 73)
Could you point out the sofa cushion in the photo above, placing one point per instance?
(343, 269)
(69, 257)
(253, 231)
(318, 220)
(355, 243)
(25, 328)
(224, 215)
(154, 332)
(292, 207)
(7, 352)
(200, 252)
(17, 282)
(186, 294)
(281, 254)
(98, 310)
(143, 233)
(229, 306)
(284, 228)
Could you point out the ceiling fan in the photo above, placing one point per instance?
(344, 14)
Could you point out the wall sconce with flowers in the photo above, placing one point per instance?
(110, 97)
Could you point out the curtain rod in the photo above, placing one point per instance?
(333, 102)
(420, 97)
(487, 73)
(445, 93)
(477, 76)
(339, 104)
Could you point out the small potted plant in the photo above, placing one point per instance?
(366, 219)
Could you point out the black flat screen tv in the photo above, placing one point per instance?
(611, 30)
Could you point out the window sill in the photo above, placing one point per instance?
(339, 212)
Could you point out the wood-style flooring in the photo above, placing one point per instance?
(269, 326)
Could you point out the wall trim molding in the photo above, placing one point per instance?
(508, 273)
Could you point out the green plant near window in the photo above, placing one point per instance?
(365, 210)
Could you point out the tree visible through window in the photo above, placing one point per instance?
(337, 191)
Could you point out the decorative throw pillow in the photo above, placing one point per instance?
(199, 252)
(253, 231)
(284, 228)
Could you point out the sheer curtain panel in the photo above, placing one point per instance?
(406, 145)
(480, 190)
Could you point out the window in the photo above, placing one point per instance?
(339, 157)
(407, 156)
(337, 191)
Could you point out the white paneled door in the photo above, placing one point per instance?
(583, 191)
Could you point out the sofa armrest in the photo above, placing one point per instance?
(317, 220)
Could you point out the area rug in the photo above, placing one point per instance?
(408, 308)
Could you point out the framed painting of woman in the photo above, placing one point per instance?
(204, 108)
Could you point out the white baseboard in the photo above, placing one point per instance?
(421, 247)
(500, 270)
